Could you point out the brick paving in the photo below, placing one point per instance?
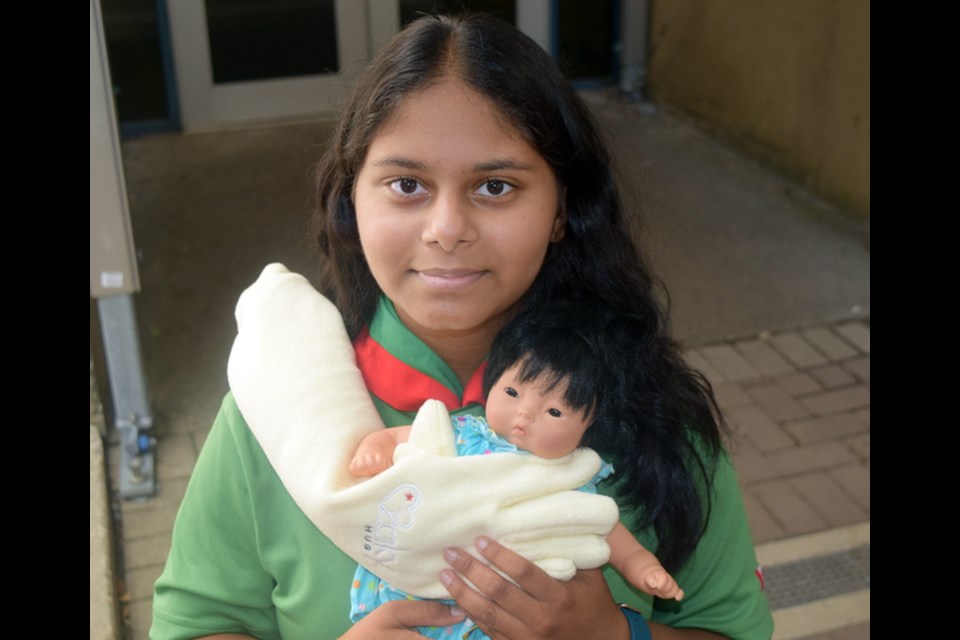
(799, 405)
(798, 402)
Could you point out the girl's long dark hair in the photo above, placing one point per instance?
(666, 452)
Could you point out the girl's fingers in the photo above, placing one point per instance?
(422, 613)
(490, 617)
(532, 579)
(540, 607)
(492, 600)
(399, 619)
(497, 605)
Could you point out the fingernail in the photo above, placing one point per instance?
(451, 555)
(456, 611)
(482, 542)
(446, 577)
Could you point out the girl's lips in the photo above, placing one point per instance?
(450, 278)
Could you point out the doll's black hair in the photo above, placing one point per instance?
(584, 351)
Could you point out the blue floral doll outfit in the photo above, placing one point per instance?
(472, 437)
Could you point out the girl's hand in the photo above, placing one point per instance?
(399, 619)
(540, 607)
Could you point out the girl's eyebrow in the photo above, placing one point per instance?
(481, 167)
(500, 165)
(400, 161)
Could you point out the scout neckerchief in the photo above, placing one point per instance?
(409, 372)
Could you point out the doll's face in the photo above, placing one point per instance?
(532, 418)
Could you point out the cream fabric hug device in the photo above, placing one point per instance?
(293, 374)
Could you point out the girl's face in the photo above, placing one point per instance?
(534, 419)
(455, 211)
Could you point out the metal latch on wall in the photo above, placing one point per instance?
(137, 446)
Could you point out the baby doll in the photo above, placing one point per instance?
(548, 383)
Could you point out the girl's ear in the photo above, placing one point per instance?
(560, 222)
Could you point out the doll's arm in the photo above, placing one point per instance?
(639, 566)
(375, 453)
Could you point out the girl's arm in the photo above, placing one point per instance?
(640, 566)
(375, 452)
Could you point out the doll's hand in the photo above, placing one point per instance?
(375, 453)
(370, 463)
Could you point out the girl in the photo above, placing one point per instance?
(466, 182)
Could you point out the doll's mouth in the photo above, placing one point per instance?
(519, 431)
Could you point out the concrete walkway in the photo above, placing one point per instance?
(770, 292)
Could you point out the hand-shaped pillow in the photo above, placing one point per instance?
(293, 374)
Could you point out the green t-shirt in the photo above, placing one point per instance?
(245, 559)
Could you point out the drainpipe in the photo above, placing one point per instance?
(634, 32)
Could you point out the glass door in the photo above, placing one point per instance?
(241, 62)
(141, 65)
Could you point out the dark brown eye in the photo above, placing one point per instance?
(510, 391)
(556, 413)
(494, 187)
(408, 185)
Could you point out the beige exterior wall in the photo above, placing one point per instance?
(787, 81)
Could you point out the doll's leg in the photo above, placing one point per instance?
(639, 566)
(661, 584)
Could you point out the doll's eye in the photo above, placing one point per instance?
(556, 413)
(510, 391)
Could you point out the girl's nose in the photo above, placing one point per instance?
(449, 223)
